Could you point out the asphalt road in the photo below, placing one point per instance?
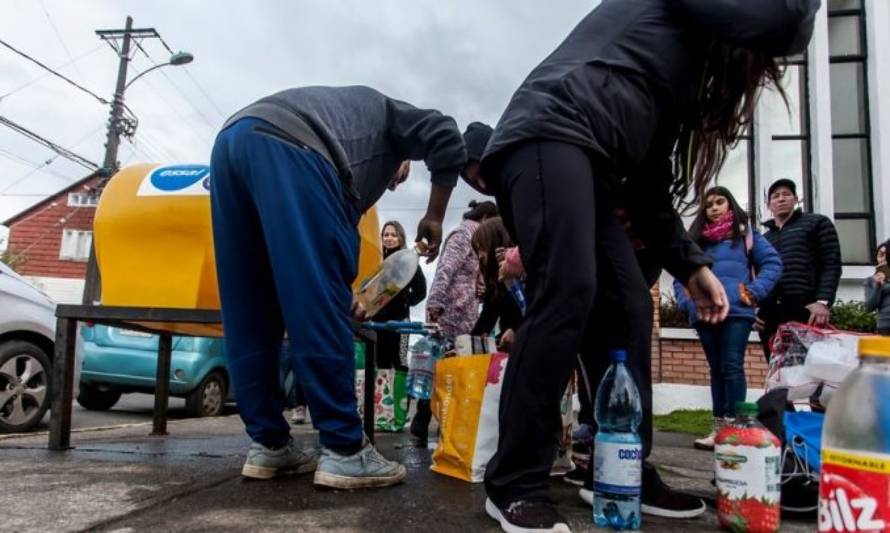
(130, 409)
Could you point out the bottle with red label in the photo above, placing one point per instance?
(854, 484)
(747, 469)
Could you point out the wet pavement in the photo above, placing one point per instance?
(125, 480)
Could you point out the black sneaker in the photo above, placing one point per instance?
(576, 477)
(527, 516)
(657, 499)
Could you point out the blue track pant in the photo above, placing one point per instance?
(286, 246)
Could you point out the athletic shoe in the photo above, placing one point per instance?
(366, 468)
(298, 415)
(657, 499)
(527, 516)
(266, 463)
(577, 476)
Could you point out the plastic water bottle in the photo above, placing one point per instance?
(618, 452)
(515, 287)
(394, 274)
(854, 483)
(422, 366)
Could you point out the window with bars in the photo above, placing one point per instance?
(851, 148)
(75, 245)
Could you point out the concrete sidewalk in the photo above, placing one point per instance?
(121, 479)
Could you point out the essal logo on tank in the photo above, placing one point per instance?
(847, 506)
(177, 180)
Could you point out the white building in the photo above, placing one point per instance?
(833, 140)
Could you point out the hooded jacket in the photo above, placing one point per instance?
(364, 134)
(623, 81)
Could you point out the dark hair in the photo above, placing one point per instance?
(399, 229)
(885, 245)
(740, 228)
(488, 237)
(728, 91)
(479, 211)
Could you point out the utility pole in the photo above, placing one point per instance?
(118, 124)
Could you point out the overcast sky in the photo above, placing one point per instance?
(464, 58)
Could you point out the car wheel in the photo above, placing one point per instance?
(93, 398)
(24, 380)
(210, 396)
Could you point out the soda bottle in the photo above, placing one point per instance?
(394, 274)
(617, 452)
(747, 467)
(854, 482)
(422, 366)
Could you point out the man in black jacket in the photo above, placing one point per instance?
(292, 173)
(811, 258)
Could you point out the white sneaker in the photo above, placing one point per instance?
(705, 443)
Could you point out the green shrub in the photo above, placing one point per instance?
(13, 259)
(852, 316)
(670, 315)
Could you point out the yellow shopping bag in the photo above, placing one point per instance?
(465, 401)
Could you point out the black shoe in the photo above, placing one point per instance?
(527, 516)
(577, 477)
(657, 499)
(416, 441)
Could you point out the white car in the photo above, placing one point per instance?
(27, 334)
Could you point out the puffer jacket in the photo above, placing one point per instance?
(732, 265)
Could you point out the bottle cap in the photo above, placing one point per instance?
(746, 409)
(618, 356)
(874, 346)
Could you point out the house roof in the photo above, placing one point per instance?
(27, 211)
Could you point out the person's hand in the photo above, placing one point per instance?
(819, 314)
(879, 277)
(480, 288)
(433, 314)
(430, 230)
(759, 324)
(707, 292)
(507, 340)
(359, 313)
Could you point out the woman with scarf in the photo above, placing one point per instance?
(748, 267)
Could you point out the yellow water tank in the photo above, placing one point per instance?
(154, 244)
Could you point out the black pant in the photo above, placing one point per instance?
(563, 223)
(773, 316)
(619, 320)
(389, 350)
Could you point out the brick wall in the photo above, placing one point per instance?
(683, 360)
(37, 233)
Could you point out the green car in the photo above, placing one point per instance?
(118, 361)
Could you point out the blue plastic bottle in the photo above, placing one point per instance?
(617, 450)
(515, 287)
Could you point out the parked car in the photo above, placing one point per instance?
(117, 361)
(27, 334)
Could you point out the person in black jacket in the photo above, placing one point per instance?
(389, 343)
(811, 255)
(292, 173)
(636, 87)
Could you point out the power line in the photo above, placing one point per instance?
(57, 74)
(21, 160)
(176, 87)
(45, 74)
(59, 36)
(64, 152)
(205, 93)
(27, 175)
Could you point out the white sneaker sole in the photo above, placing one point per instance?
(586, 496)
(667, 513)
(334, 481)
(506, 526)
(268, 472)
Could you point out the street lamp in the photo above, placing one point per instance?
(179, 58)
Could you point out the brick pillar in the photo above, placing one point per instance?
(656, 335)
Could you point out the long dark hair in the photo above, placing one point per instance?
(479, 211)
(739, 229)
(488, 237)
(723, 109)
